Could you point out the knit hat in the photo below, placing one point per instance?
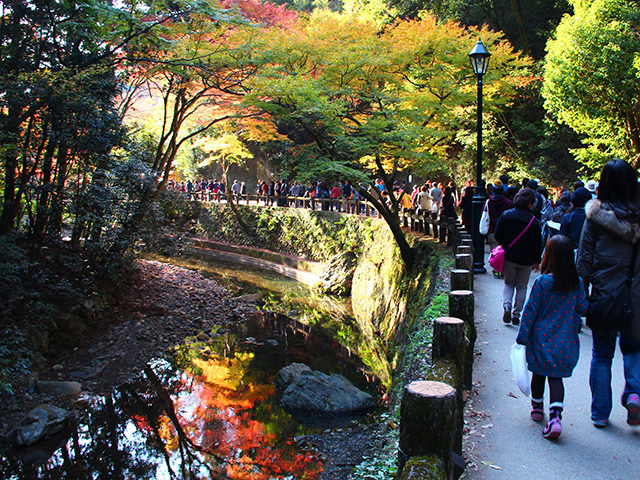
(580, 197)
(524, 197)
(591, 186)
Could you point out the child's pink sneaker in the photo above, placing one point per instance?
(554, 425)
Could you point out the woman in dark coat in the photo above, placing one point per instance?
(523, 256)
(604, 257)
(448, 204)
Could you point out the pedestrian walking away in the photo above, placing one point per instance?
(605, 260)
(519, 234)
(549, 329)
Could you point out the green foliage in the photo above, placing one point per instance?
(383, 466)
(592, 79)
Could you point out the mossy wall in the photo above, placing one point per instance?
(314, 235)
(384, 296)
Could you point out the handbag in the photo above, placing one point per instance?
(614, 311)
(496, 257)
(519, 368)
(485, 220)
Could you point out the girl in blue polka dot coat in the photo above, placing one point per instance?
(549, 329)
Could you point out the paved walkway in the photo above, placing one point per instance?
(503, 441)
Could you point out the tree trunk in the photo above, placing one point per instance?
(406, 252)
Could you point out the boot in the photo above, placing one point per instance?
(537, 410)
(554, 425)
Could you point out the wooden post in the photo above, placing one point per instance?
(464, 249)
(464, 260)
(427, 422)
(461, 305)
(461, 279)
(448, 339)
(442, 225)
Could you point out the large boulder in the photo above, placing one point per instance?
(41, 422)
(306, 389)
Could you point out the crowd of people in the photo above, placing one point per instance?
(586, 249)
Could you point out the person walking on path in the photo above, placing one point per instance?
(604, 260)
(573, 221)
(522, 256)
(549, 329)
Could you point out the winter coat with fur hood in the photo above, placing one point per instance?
(605, 253)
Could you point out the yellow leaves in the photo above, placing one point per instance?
(227, 145)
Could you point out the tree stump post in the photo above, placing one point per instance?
(452, 235)
(461, 305)
(464, 249)
(443, 226)
(461, 279)
(427, 224)
(464, 260)
(449, 339)
(427, 422)
(448, 359)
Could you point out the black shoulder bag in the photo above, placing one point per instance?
(614, 311)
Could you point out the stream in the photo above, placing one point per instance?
(213, 410)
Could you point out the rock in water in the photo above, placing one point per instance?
(41, 422)
(289, 374)
(59, 388)
(319, 392)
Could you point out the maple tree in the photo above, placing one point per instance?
(368, 102)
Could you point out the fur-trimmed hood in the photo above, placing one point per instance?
(602, 214)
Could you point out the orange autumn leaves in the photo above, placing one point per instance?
(227, 414)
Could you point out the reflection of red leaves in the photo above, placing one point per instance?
(217, 414)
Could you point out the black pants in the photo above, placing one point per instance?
(556, 388)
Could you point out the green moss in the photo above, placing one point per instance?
(315, 235)
(423, 468)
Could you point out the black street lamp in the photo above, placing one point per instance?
(479, 57)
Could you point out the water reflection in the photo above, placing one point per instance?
(216, 416)
(212, 412)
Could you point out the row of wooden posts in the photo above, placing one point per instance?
(432, 410)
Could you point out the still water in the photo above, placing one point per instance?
(212, 411)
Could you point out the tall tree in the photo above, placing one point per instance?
(366, 102)
(57, 84)
(592, 78)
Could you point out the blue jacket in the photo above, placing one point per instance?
(572, 224)
(549, 328)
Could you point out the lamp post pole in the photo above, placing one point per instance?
(479, 61)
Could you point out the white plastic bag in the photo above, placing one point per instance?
(485, 220)
(519, 368)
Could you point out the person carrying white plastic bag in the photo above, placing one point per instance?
(549, 330)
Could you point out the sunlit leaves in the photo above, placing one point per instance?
(592, 78)
(358, 92)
